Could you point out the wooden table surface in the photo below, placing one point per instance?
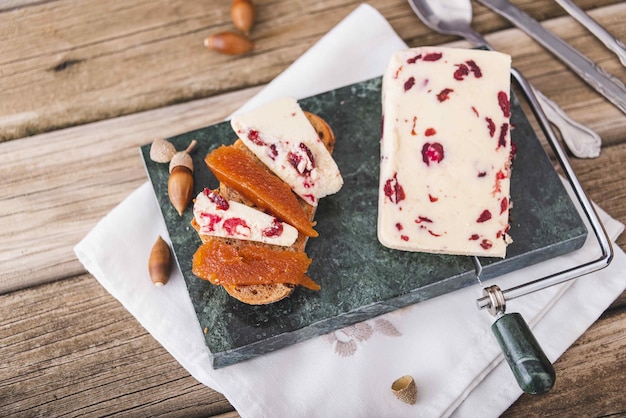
(84, 83)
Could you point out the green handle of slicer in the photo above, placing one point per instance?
(532, 369)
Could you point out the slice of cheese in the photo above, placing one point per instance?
(280, 135)
(219, 217)
(445, 152)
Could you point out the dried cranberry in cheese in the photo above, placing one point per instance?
(281, 136)
(445, 152)
(221, 218)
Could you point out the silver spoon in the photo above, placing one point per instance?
(454, 17)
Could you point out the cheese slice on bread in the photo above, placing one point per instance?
(282, 138)
(221, 217)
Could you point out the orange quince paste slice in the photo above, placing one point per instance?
(239, 171)
(250, 264)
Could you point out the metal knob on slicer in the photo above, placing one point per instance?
(531, 367)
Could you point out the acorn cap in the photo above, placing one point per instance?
(405, 389)
(181, 158)
(162, 151)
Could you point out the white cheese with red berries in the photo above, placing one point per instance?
(281, 136)
(446, 152)
(219, 217)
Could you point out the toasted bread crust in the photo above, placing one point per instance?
(270, 293)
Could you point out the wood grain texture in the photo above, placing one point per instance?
(69, 349)
(70, 62)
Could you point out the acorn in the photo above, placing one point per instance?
(242, 13)
(229, 43)
(180, 182)
(160, 262)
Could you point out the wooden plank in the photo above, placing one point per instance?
(69, 348)
(71, 62)
(80, 61)
(596, 174)
(8, 5)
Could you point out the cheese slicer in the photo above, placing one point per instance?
(530, 366)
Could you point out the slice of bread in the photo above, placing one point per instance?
(270, 293)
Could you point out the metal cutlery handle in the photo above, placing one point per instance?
(609, 86)
(581, 141)
(594, 27)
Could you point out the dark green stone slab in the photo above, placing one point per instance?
(360, 279)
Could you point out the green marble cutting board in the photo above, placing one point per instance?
(360, 279)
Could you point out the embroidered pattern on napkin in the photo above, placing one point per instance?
(345, 341)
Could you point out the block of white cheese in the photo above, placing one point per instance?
(281, 136)
(219, 217)
(445, 152)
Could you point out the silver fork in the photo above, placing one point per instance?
(453, 17)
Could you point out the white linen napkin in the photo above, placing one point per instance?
(444, 343)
